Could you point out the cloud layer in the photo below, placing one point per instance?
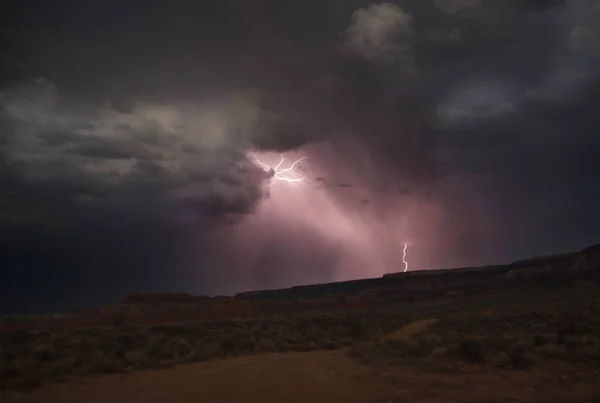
(467, 128)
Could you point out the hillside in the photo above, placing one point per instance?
(423, 281)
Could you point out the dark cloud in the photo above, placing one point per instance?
(160, 147)
(455, 123)
(279, 127)
(58, 137)
(190, 149)
(102, 149)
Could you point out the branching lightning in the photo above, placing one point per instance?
(283, 174)
(404, 258)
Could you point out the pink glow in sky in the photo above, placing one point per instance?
(323, 229)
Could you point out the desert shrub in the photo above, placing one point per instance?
(521, 360)
(540, 340)
(232, 345)
(472, 351)
(44, 352)
(590, 339)
(592, 353)
(203, 352)
(180, 347)
(571, 330)
(507, 338)
(18, 366)
(550, 351)
(126, 340)
(137, 358)
(501, 359)
(18, 338)
(101, 362)
(119, 319)
(21, 373)
(158, 347)
(63, 366)
(265, 344)
(521, 345)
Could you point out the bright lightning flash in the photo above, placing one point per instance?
(404, 258)
(283, 174)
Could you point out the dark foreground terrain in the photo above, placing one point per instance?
(525, 342)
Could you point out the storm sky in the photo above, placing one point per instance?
(468, 129)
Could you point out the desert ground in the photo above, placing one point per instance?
(520, 345)
(526, 332)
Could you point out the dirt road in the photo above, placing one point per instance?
(316, 377)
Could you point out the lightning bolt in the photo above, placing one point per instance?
(283, 174)
(404, 258)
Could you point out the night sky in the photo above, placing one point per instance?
(129, 133)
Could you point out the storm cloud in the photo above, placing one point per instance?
(129, 141)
